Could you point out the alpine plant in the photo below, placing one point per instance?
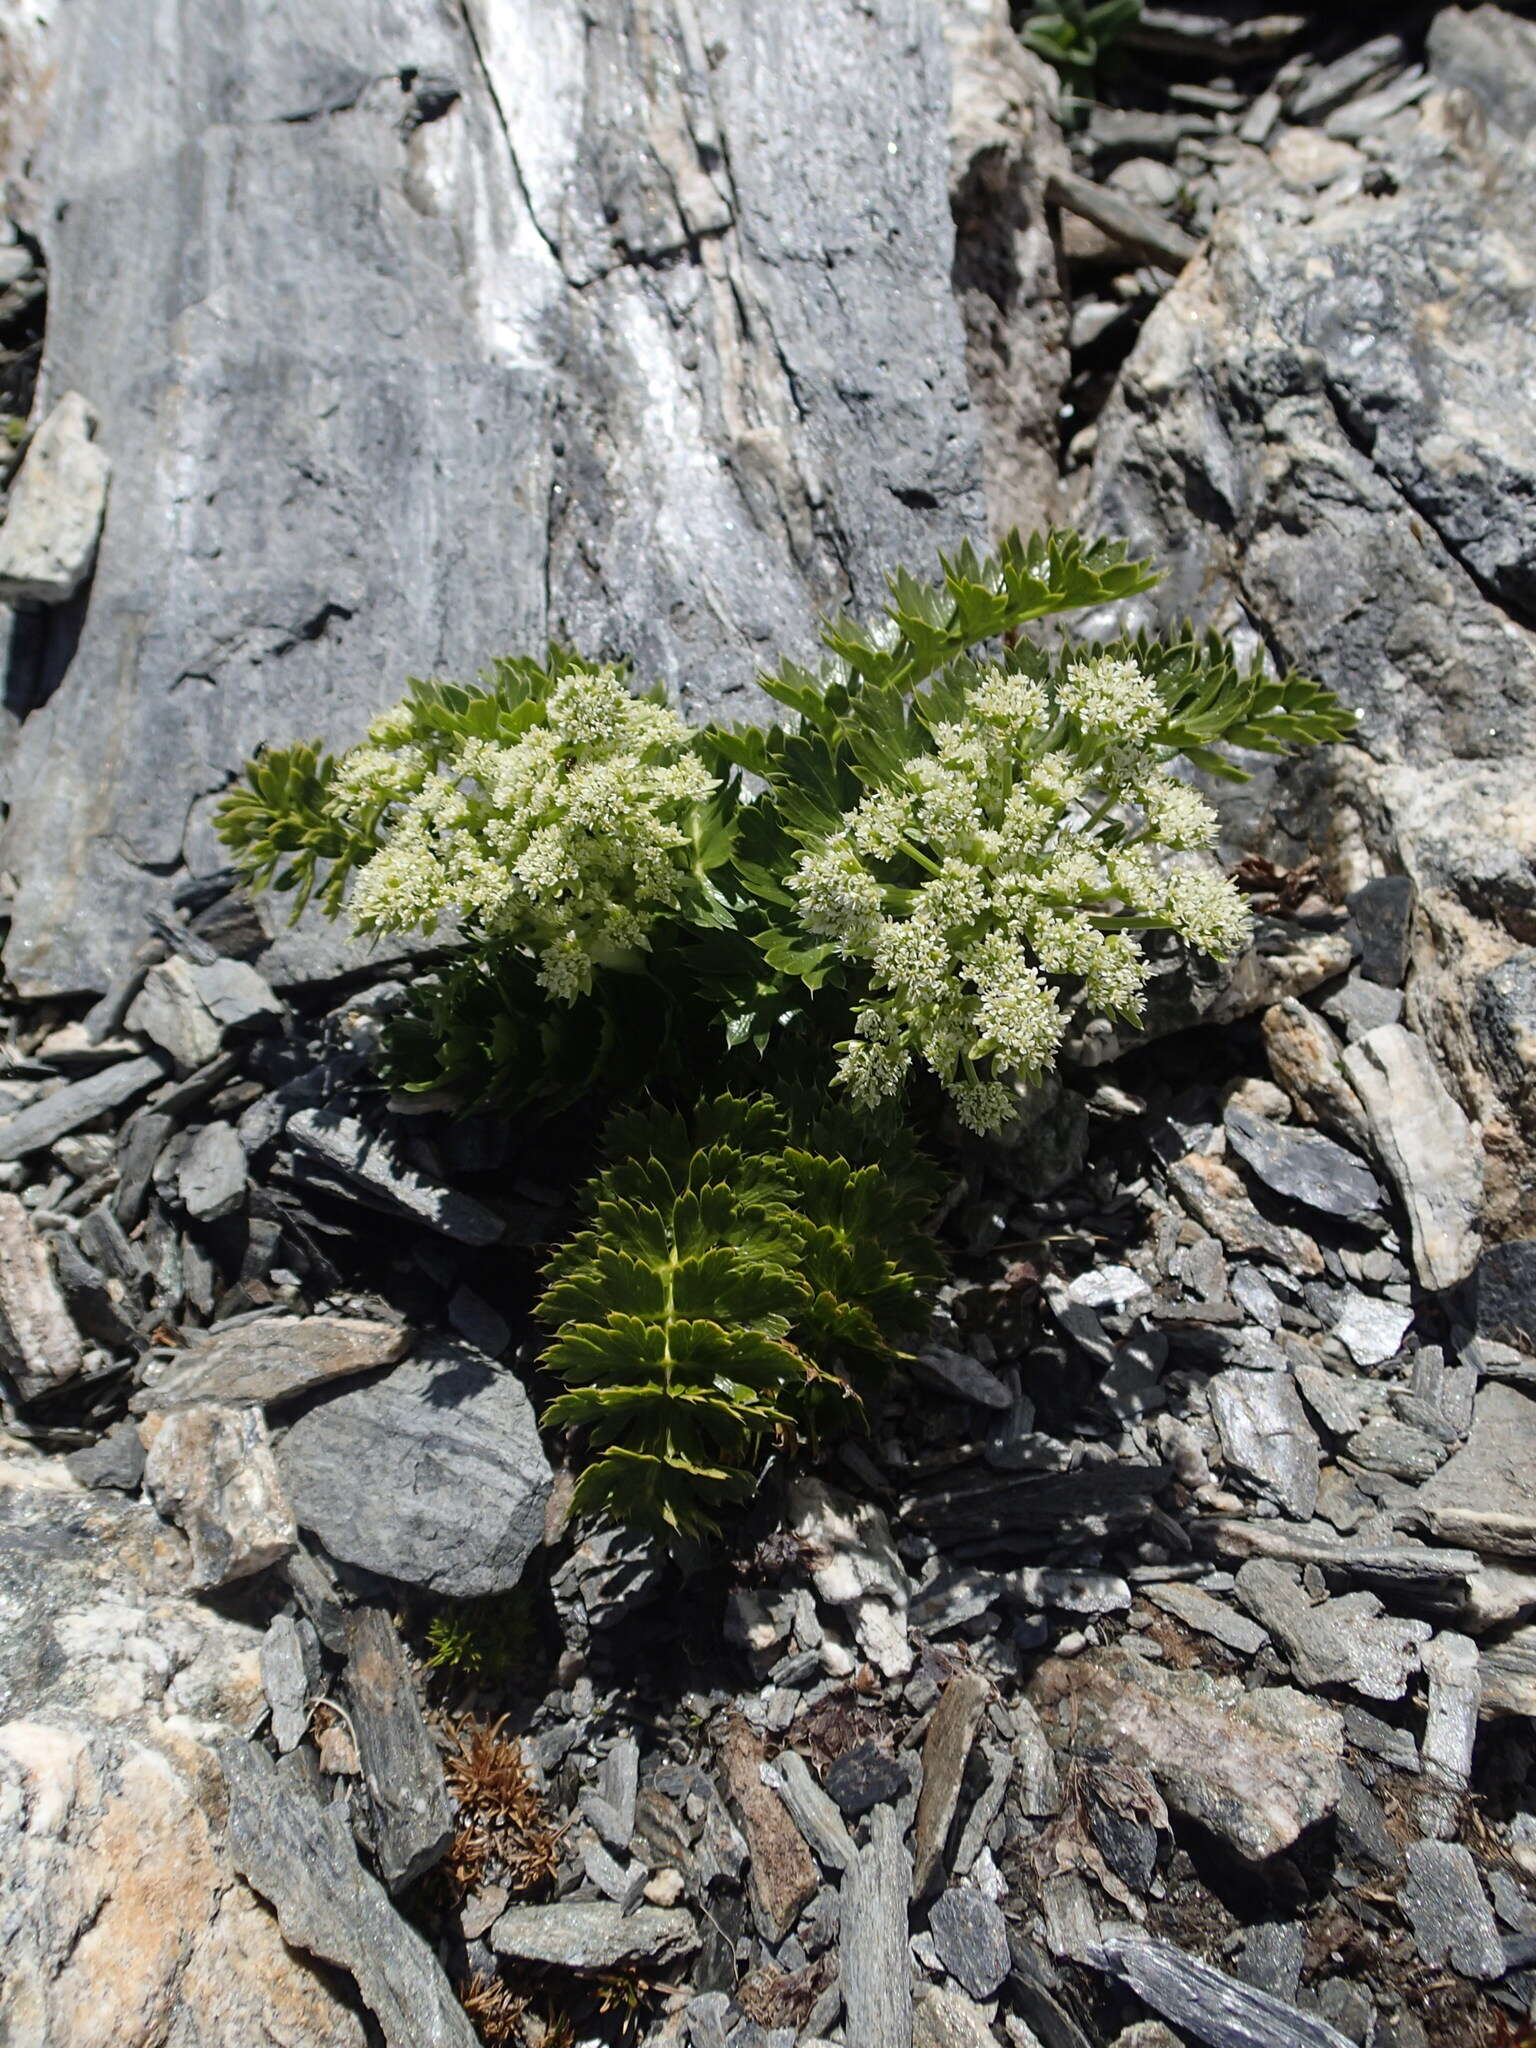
(940, 859)
(733, 1293)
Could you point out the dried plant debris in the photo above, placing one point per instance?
(505, 1832)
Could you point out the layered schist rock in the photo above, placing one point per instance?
(417, 335)
(1324, 431)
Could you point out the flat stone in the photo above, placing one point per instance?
(410, 1812)
(272, 1360)
(813, 1812)
(115, 1460)
(1340, 1402)
(169, 1010)
(1359, 1006)
(1506, 1294)
(1216, 1198)
(782, 1873)
(1304, 1057)
(55, 507)
(211, 1470)
(237, 996)
(876, 1968)
(1265, 1434)
(370, 1163)
(1423, 1138)
(1346, 1641)
(211, 1174)
(290, 1677)
(1111, 1290)
(1208, 1616)
(1398, 1449)
(433, 1476)
(1257, 1768)
(942, 2018)
(1507, 1671)
(592, 1934)
(1383, 911)
(946, 1750)
(1450, 1915)
(39, 1345)
(1303, 1166)
(864, 1777)
(1371, 1330)
(1450, 1731)
(1206, 2003)
(1484, 1494)
(52, 1117)
(298, 1853)
(952, 1372)
(971, 1936)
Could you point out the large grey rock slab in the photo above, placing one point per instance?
(1322, 431)
(1484, 1495)
(57, 501)
(419, 334)
(434, 1475)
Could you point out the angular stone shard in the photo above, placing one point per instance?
(783, 1875)
(78, 1102)
(39, 1345)
(434, 1476)
(1349, 1641)
(1208, 2004)
(210, 1469)
(1303, 1166)
(1483, 1494)
(370, 1164)
(58, 499)
(1216, 1197)
(1265, 1433)
(272, 1360)
(876, 1968)
(1423, 1138)
(412, 1814)
(300, 1856)
(585, 1934)
(946, 1750)
(1452, 1919)
(1256, 1767)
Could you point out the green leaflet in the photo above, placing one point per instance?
(730, 1290)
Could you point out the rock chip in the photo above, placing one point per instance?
(370, 1164)
(272, 1360)
(52, 1117)
(1424, 1140)
(1305, 1058)
(298, 1853)
(876, 1967)
(1383, 912)
(411, 1814)
(211, 1174)
(211, 1470)
(39, 1345)
(169, 1010)
(942, 2018)
(589, 1934)
(1347, 1641)
(1206, 2003)
(1482, 1495)
(1265, 1434)
(1450, 1914)
(1256, 1767)
(433, 1476)
(864, 1776)
(1216, 1197)
(946, 1751)
(57, 501)
(1303, 1166)
(971, 1936)
(783, 1876)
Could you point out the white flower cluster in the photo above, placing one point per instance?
(993, 886)
(571, 839)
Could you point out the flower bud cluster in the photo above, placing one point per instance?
(991, 886)
(572, 838)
